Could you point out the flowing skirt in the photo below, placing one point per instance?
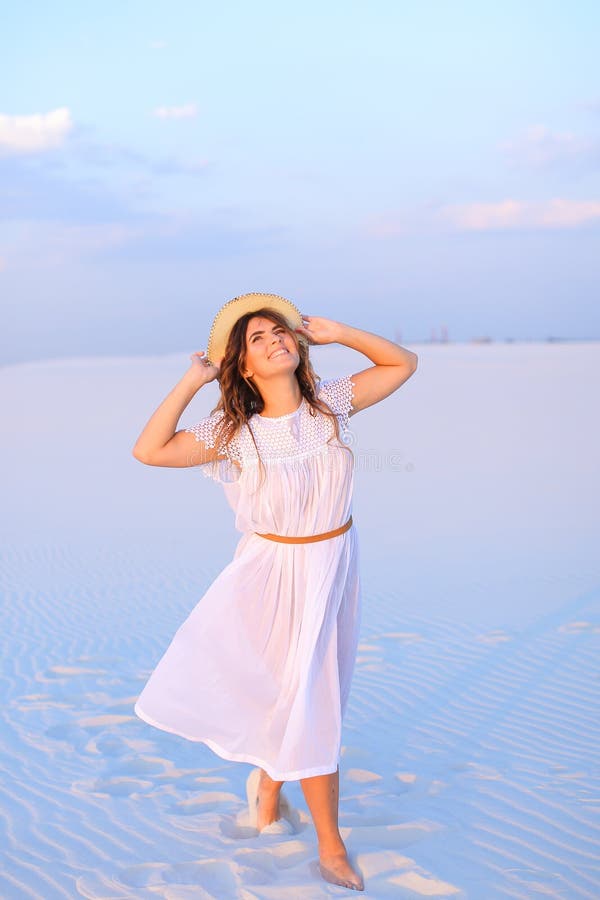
(260, 670)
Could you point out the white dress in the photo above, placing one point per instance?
(260, 670)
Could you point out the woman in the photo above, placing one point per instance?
(260, 671)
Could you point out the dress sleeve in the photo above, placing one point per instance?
(338, 394)
(220, 470)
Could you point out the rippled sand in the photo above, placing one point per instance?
(470, 761)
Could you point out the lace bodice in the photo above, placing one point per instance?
(293, 436)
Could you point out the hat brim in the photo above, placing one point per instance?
(231, 311)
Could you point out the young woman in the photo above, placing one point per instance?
(260, 670)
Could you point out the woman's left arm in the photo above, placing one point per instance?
(393, 364)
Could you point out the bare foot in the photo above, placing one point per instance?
(267, 801)
(336, 869)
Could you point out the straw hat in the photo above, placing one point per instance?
(231, 311)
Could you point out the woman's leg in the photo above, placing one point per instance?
(322, 793)
(268, 800)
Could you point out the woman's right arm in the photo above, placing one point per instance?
(160, 444)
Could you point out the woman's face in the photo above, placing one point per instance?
(270, 349)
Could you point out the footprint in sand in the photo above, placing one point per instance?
(282, 854)
(108, 745)
(72, 734)
(214, 878)
(145, 875)
(218, 876)
(239, 827)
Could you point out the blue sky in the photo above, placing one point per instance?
(399, 166)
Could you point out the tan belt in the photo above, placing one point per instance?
(311, 537)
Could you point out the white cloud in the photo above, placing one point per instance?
(157, 45)
(187, 111)
(516, 214)
(32, 134)
(541, 147)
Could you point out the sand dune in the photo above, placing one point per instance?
(470, 762)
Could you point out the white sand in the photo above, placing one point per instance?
(470, 762)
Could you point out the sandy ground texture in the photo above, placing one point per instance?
(470, 748)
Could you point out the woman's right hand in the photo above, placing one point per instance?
(202, 369)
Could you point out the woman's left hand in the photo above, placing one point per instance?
(318, 330)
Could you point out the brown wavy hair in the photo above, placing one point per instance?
(240, 397)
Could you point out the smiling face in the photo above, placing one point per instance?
(270, 349)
